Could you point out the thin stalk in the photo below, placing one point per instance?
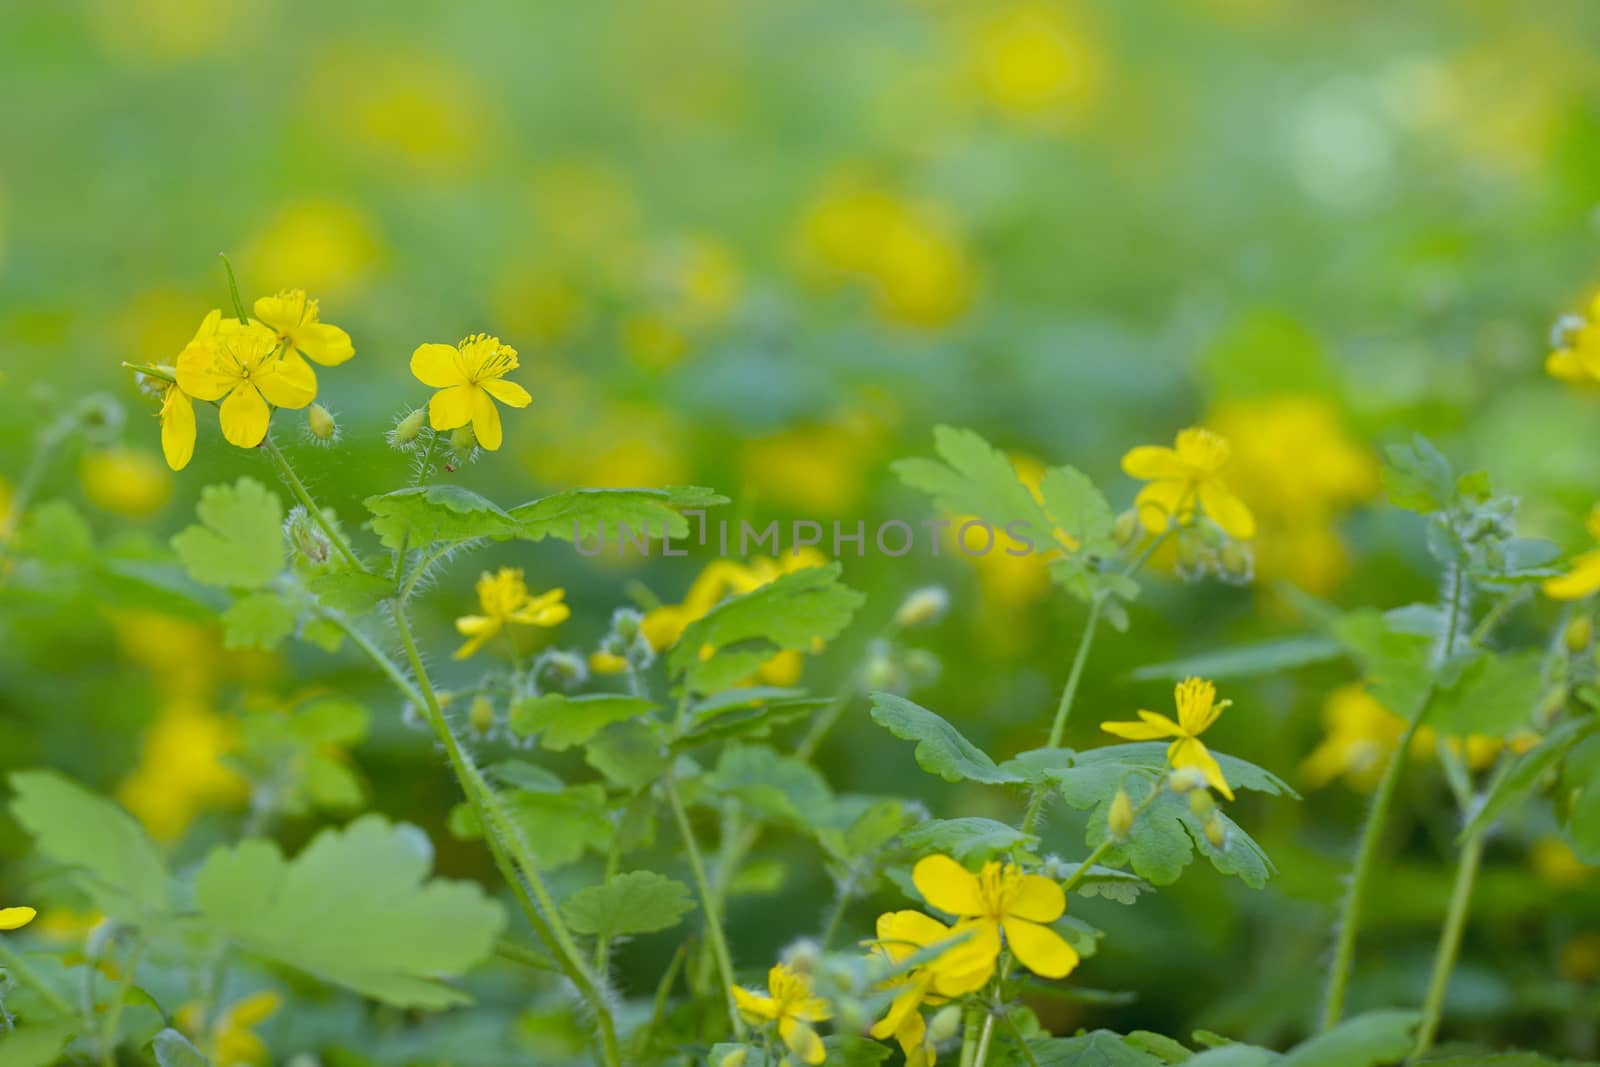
(708, 901)
(841, 901)
(507, 949)
(15, 964)
(113, 1020)
(1069, 694)
(298, 488)
(1444, 961)
(969, 1034)
(984, 1038)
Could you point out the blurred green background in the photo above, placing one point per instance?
(766, 247)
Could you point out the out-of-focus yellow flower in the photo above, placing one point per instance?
(793, 1006)
(1583, 578)
(1184, 479)
(958, 970)
(180, 770)
(294, 318)
(690, 286)
(470, 377)
(1576, 357)
(239, 364)
(1362, 736)
(1031, 61)
(16, 918)
(1580, 959)
(1198, 708)
(172, 31)
(185, 658)
(909, 254)
(542, 305)
(65, 924)
(816, 468)
(1554, 861)
(653, 341)
(126, 481)
(232, 1039)
(584, 439)
(504, 599)
(589, 210)
(328, 246)
(1299, 469)
(601, 662)
(999, 899)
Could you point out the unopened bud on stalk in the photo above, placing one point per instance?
(922, 668)
(1127, 528)
(481, 714)
(803, 956)
(1238, 563)
(944, 1025)
(321, 423)
(463, 440)
(1120, 818)
(1182, 781)
(1579, 632)
(312, 544)
(625, 623)
(1201, 803)
(407, 428)
(923, 607)
(1216, 832)
(735, 1058)
(881, 672)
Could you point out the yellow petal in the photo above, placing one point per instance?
(16, 918)
(802, 1041)
(1227, 510)
(288, 383)
(327, 345)
(245, 416)
(1152, 462)
(1037, 899)
(754, 1006)
(969, 965)
(1187, 752)
(509, 393)
(948, 886)
(254, 1009)
(1581, 581)
(282, 312)
(177, 428)
(1163, 504)
(202, 375)
(438, 366)
(1040, 949)
(1154, 726)
(1564, 365)
(208, 325)
(903, 933)
(452, 407)
(903, 1007)
(1197, 704)
(1201, 450)
(485, 419)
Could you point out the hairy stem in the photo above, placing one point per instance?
(708, 901)
(298, 488)
(1444, 961)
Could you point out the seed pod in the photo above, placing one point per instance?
(1120, 818)
(321, 423)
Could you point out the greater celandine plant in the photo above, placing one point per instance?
(678, 713)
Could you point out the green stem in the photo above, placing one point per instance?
(14, 963)
(969, 1034)
(1444, 961)
(507, 949)
(708, 901)
(1366, 852)
(1069, 694)
(836, 916)
(510, 852)
(298, 488)
(112, 1023)
(984, 1038)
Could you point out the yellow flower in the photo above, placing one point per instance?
(504, 598)
(1362, 737)
(181, 770)
(1185, 476)
(1032, 62)
(790, 1004)
(1577, 354)
(239, 364)
(16, 918)
(470, 377)
(1198, 708)
(1001, 899)
(1583, 579)
(294, 319)
(960, 969)
(601, 662)
(126, 481)
(1554, 861)
(231, 1039)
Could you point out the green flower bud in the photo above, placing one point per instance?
(1579, 632)
(481, 714)
(1127, 528)
(1186, 779)
(463, 440)
(321, 423)
(1216, 832)
(923, 606)
(1238, 563)
(945, 1024)
(1120, 818)
(1201, 803)
(407, 428)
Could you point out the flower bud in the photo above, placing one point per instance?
(923, 607)
(922, 667)
(735, 1058)
(320, 421)
(1237, 561)
(481, 714)
(463, 440)
(1579, 632)
(307, 538)
(1181, 781)
(944, 1025)
(1120, 818)
(1127, 528)
(407, 427)
(1216, 831)
(803, 956)
(625, 623)
(881, 673)
(603, 662)
(1201, 803)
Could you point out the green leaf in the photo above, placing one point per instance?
(1160, 1046)
(743, 632)
(113, 858)
(1527, 769)
(56, 532)
(1234, 1055)
(260, 620)
(435, 514)
(1393, 656)
(1494, 695)
(743, 713)
(172, 1049)
(239, 543)
(781, 788)
(630, 754)
(636, 902)
(558, 827)
(1418, 477)
(941, 749)
(391, 941)
(1098, 1048)
(37, 1044)
(581, 513)
(350, 592)
(1378, 1037)
(1102, 768)
(563, 721)
(1078, 509)
(1244, 661)
(966, 838)
(1107, 882)
(975, 479)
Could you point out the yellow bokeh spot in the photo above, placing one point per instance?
(125, 481)
(1033, 62)
(322, 245)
